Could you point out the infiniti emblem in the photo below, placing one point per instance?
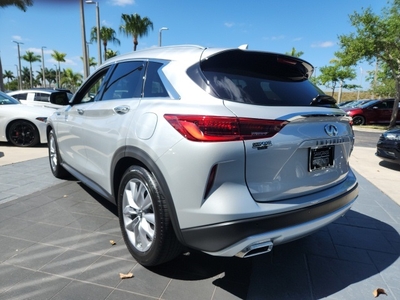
(331, 130)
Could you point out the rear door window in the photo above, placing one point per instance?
(154, 86)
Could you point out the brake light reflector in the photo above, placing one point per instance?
(218, 129)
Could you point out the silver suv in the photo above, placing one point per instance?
(227, 151)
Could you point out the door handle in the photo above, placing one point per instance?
(80, 111)
(121, 110)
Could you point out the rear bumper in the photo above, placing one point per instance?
(388, 152)
(230, 238)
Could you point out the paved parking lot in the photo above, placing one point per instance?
(55, 244)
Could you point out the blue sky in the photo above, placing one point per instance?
(310, 26)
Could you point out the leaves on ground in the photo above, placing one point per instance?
(378, 292)
(125, 276)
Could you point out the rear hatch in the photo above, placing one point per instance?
(309, 150)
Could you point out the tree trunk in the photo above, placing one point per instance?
(340, 91)
(30, 75)
(1, 78)
(393, 119)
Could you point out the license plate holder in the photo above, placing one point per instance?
(320, 158)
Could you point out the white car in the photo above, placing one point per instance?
(227, 151)
(22, 125)
(42, 97)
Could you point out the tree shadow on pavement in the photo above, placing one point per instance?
(347, 259)
(344, 257)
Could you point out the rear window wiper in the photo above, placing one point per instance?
(324, 100)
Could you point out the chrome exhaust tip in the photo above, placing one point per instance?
(256, 249)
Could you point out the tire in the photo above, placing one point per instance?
(54, 158)
(358, 120)
(23, 133)
(144, 219)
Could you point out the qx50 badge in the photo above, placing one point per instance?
(262, 145)
(331, 130)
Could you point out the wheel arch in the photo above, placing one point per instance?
(130, 155)
(48, 129)
(17, 120)
(361, 116)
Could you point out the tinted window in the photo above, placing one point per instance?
(260, 78)
(125, 82)
(5, 99)
(91, 89)
(42, 97)
(21, 96)
(386, 104)
(153, 85)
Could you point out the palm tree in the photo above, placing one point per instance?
(25, 77)
(51, 76)
(92, 62)
(31, 57)
(1, 77)
(107, 34)
(21, 4)
(111, 53)
(71, 80)
(136, 26)
(295, 53)
(59, 57)
(10, 76)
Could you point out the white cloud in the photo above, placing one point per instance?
(326, 44)
(229, 24)
(16, 38)
(105, 23)
(35, 50)
(279, 37)
(122, 2)
(297, 39)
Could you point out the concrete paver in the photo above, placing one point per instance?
(55, 244)
(383, 175)
(10, 154)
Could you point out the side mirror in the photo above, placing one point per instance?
(59, 98)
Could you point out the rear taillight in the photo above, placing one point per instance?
(219, 129)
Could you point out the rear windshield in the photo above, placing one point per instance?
(260, 78)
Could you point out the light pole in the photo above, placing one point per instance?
(98, 30)
(84, 52)
(16, 66)
(57, 79)
(19, 64)
(159, 35)
(358, 93)
(44, 76)
(88, 54)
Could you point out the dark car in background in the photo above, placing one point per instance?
(354, 103)
(372, 112)
(388, 147)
